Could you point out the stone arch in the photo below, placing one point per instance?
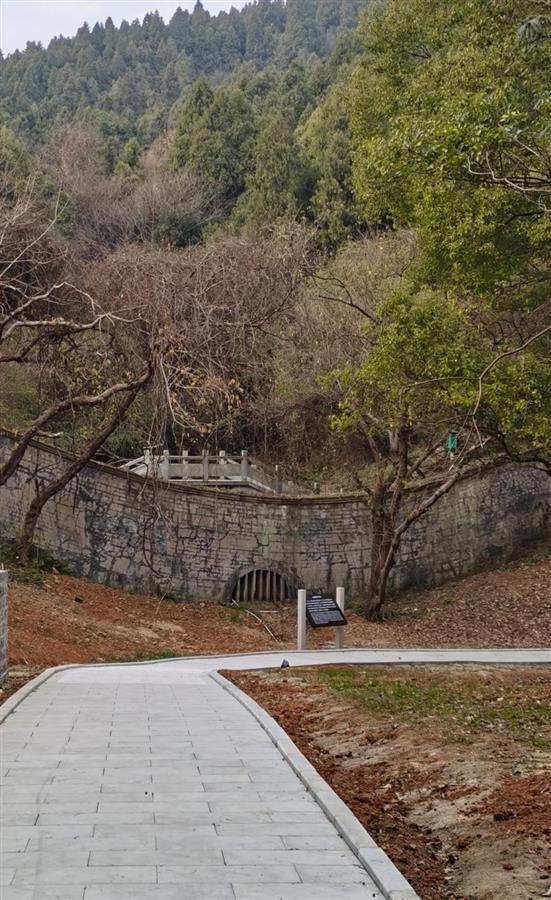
(266, 582)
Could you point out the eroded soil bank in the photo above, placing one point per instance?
(449, 770)
(55, 619)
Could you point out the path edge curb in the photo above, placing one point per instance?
(9, 705)
(375, 861)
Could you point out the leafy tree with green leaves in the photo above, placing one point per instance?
(325, 138)
(128, 161)
(445, 90)
(433, 408)
(222, 142)
(193, 107)
(280, 184)
(446, 93)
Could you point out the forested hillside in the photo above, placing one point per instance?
(253, 102)
(130, 76)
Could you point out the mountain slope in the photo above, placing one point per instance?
(127, 78)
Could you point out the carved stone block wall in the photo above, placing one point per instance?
(192, 542)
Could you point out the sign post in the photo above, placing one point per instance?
(301, 622)
(322, 611)
(339, 630)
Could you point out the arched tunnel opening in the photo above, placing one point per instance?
(262, 586)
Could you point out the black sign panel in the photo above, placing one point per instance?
(322, 611)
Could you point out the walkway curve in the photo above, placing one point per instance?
(162, 780)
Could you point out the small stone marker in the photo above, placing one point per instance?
(322, 611)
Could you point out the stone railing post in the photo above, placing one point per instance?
(164, 468)
(205, 466)
(185, 464)
(147, 461)
(244, 465)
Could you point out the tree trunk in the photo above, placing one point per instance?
(42, 496)
(387, 536)
(10, 466)
(382, 529)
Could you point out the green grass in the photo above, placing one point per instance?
(536, 553)
(461, 706)
(40, 562)
(145, 657)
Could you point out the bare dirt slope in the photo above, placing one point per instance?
(65, 620)
(450, 770)
(68, 620)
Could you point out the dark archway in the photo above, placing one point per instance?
(263, 586)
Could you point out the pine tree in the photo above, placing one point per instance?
(222, 143)
(280, 183)
(195, 105)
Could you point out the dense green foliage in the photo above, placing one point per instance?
(449, 93)
(277, 142)
(127, 78)
(254, 103)
(451, 121)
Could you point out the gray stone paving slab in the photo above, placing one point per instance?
(14, 818)
(13, 845)
(251, 874)
(281, 828)
(130, 842)
(164, 787)
(186, 855)
(162, 892)
(43, 892)
(37, 859)
(116, 818)
(6, 875)
(324, 874)
(314, 842)
(168, 841)
(87, 875)
(58, 832)
(306, 892)
(319, 858)
(116, 834)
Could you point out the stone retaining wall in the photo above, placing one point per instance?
(194, 542)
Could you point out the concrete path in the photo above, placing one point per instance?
(123, 789)
(172, 669)
(152, 781)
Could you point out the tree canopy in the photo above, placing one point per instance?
(449, 98)
(126, 71)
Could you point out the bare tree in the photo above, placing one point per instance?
(222, 300)
(288, 417)
(49, 490)
(66, 343)
(105, 211)
(75, 354)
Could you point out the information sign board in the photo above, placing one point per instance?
(322, 611)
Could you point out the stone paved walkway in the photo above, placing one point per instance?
(152, 781)
(126, 783)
